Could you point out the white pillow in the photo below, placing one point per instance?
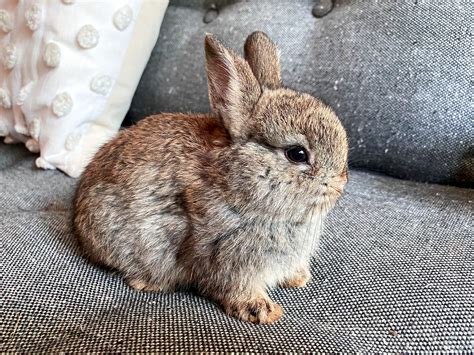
(68, 72)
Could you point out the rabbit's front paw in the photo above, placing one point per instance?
(299, 279)
(257, 310)
(141, 285)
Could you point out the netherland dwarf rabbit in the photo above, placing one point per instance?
(229, 203)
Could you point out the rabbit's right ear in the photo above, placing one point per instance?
(264, 59)
(233, 88)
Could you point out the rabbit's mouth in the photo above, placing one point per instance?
(334, 190)
(335, 186)
(328, 194)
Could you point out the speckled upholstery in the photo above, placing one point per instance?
(395, 272)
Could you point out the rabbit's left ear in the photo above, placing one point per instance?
(233, 88)
(264, 59)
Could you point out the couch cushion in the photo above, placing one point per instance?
(395, 274)
(397, 74)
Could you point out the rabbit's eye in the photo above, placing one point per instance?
(296, 154)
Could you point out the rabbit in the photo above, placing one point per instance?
(229, 204)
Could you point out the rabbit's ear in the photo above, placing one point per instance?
(264, 59)
(233, 89)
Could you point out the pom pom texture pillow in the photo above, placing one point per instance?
(68, 72)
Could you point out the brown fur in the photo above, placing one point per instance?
(211, 201)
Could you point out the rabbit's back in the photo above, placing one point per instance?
(170, 142)
(130, 206)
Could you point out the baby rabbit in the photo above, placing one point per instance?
(229, 203)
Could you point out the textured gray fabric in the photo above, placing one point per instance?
(395, 274)
(397, 73)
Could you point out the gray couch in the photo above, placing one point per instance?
(395, 272)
